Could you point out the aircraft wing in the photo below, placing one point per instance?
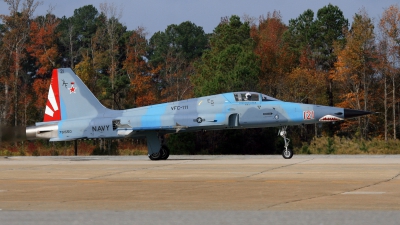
(127, 131)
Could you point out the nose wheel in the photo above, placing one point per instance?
(286, 153)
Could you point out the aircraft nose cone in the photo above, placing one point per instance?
(350, 113)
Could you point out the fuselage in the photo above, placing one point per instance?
(72, 112)
(223, 111)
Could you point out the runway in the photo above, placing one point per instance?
(309, 186)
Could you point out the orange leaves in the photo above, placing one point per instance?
(140, 73)
(43, 45)
(41, 87)
(354, 66)
(350, 100)
(304, 85)
(270, 47)
(275, 58)
(355, 70)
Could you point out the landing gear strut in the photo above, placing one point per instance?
(286, 153)
(163, 153)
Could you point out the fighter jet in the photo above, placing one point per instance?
(73, 112)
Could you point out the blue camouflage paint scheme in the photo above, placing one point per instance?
(83, 116)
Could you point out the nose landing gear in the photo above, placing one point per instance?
(286, 153)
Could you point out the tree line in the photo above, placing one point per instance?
(317, 58)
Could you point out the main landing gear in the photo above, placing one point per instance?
(286, 153)
(163, 154)
(156, 145)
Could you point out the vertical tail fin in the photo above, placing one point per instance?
(69, 98)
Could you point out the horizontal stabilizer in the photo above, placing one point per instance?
(65, 139)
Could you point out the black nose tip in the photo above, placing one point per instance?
(350, 113)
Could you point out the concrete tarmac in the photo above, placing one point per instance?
(325, 189)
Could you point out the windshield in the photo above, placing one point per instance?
(247, 96)
(252, 96)
(268, 98)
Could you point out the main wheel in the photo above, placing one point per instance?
(287, 153)
(155, 156)
(164, 152)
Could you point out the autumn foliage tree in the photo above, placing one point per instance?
(356, 68)
(17, 25)
(140, 73)
(390, 28)
(43, 48)
(43, 43)
(275, 58)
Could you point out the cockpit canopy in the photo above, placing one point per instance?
(252, 96)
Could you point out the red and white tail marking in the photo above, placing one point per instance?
(52, 112)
